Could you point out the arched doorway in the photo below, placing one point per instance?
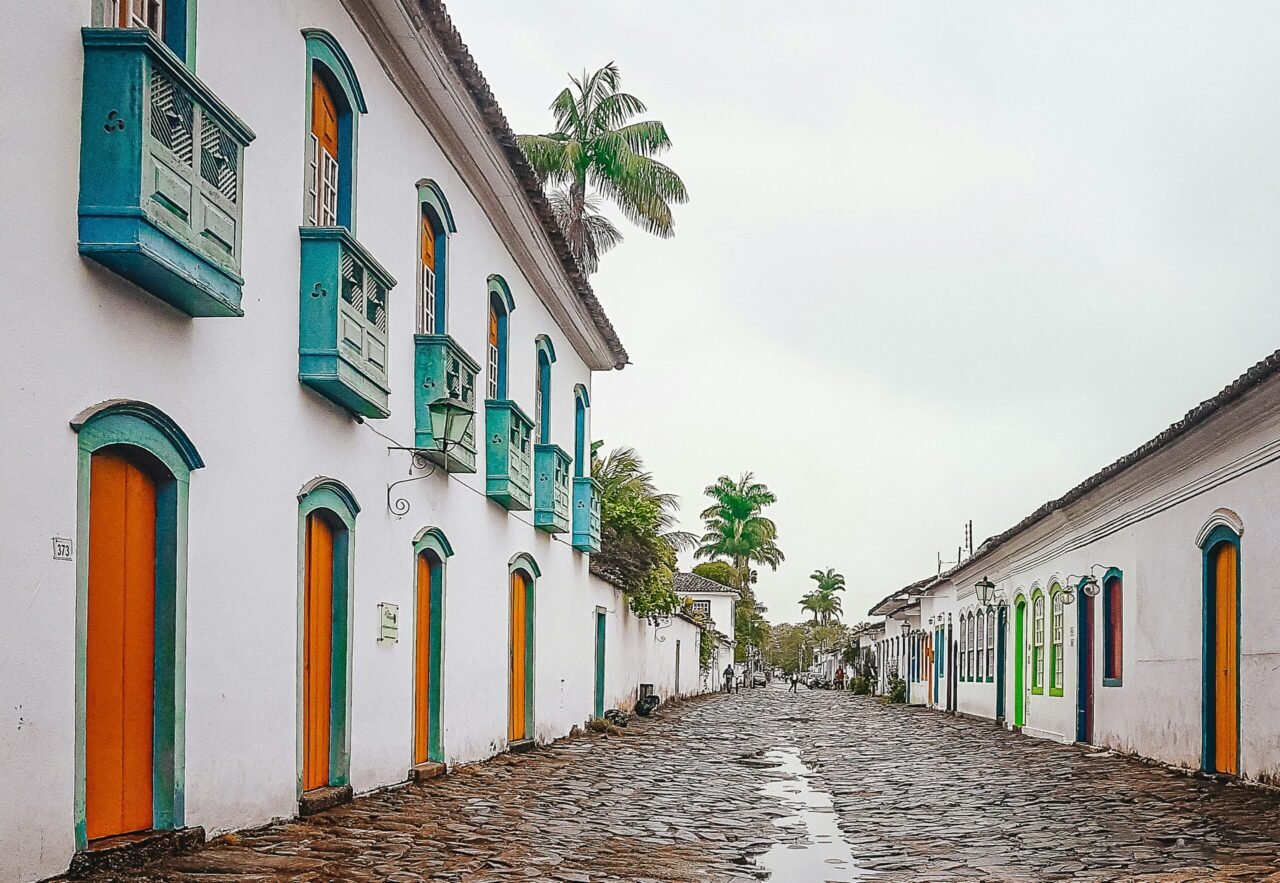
(1222, 651)
(327, 512)
(520, 673)
(134, 468)
(1019, 662)
(431, 550)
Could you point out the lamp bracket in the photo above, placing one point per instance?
(418, 461)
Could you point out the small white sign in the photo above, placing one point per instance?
(388, 623)
(61, 549)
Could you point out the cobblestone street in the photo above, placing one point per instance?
(710, 791)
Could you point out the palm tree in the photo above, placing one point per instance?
(810, 603)
(828, 580)
(595, 145)
(736, 528)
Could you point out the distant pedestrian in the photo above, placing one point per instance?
(840, 678)
(795, 683)
(728, 678)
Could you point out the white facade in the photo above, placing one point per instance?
(84, 335)
(1147, 528)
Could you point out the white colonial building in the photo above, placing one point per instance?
(296, 489)
(1131, 613)
(714, 603)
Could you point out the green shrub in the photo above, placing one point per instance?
(897, 690)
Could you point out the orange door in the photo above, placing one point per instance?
(120, 656)
(324, 116)
(1226, 677)
(422, 664)
(519, 638)
(317, 652)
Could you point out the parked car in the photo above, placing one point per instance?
(759, 678)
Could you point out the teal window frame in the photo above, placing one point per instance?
(545, 358)
(581, 402)
(504, 304)
(432, 204)
(1220, 535)
(1112, 594)
(964, 646)
(432, 542)
(331, 496)
(133, 424)
(326, 56)
(991, 644)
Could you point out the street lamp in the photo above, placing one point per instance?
(986, 591)
(450, 421)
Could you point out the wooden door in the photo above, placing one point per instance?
(120, 652)
(422, 665)
(519, 648)
(1226, 674)
(317, 652)
(600, 660)
(1084, 681)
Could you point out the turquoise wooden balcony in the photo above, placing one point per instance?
(161, 174)
(551, 488)
(508, 454)
(586, 514)
(442, 369)
(342, 349)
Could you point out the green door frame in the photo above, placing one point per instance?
(1019, 663)
(600, 657)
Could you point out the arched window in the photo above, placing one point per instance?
(581, 450)
(500, 306)
(134, 467)
(991, 643)
(1037, 642)
(333, 112)
(546, 356)
(172, 21)
(1056, 640)
(981, 671)
(973, 648)
(435, 220)
(964, 646)
(1113, 629)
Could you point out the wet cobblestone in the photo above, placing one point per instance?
(917, 796)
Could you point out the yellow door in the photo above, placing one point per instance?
(120, 654)
(317, 652)
(422, 664)
(519, 649)
(1226, 675)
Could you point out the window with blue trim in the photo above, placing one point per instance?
(435, 224)
(172, 21)
(542, 399)
(497, 347)
(1113, 630)
(580, 435)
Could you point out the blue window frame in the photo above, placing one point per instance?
(436, 220)
(497, 337)
(546, 357)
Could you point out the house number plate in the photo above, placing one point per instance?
(61, 549)
(388, 623)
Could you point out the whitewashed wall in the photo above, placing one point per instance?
(1146, 522)
(83, 335)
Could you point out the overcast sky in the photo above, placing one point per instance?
(942, 261)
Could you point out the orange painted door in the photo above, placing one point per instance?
(519, 646)
(422, 664)
(120, 656)
(1226, 642)
(324, 116)
(317, 653)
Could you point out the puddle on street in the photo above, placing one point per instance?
(820, 853)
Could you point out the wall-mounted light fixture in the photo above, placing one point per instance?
(451, 420)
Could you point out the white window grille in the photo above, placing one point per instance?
(982, 646)
(703, 607)
(964, 646)
(537, 407)
(973, 669)
(427, 302)
(148, 14)
(493, 369)
(991, 644)
(1057, 641)
(323, 190)
(1037, 642)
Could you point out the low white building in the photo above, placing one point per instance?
(297, 493)
(1132, 612)
(715, 603)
